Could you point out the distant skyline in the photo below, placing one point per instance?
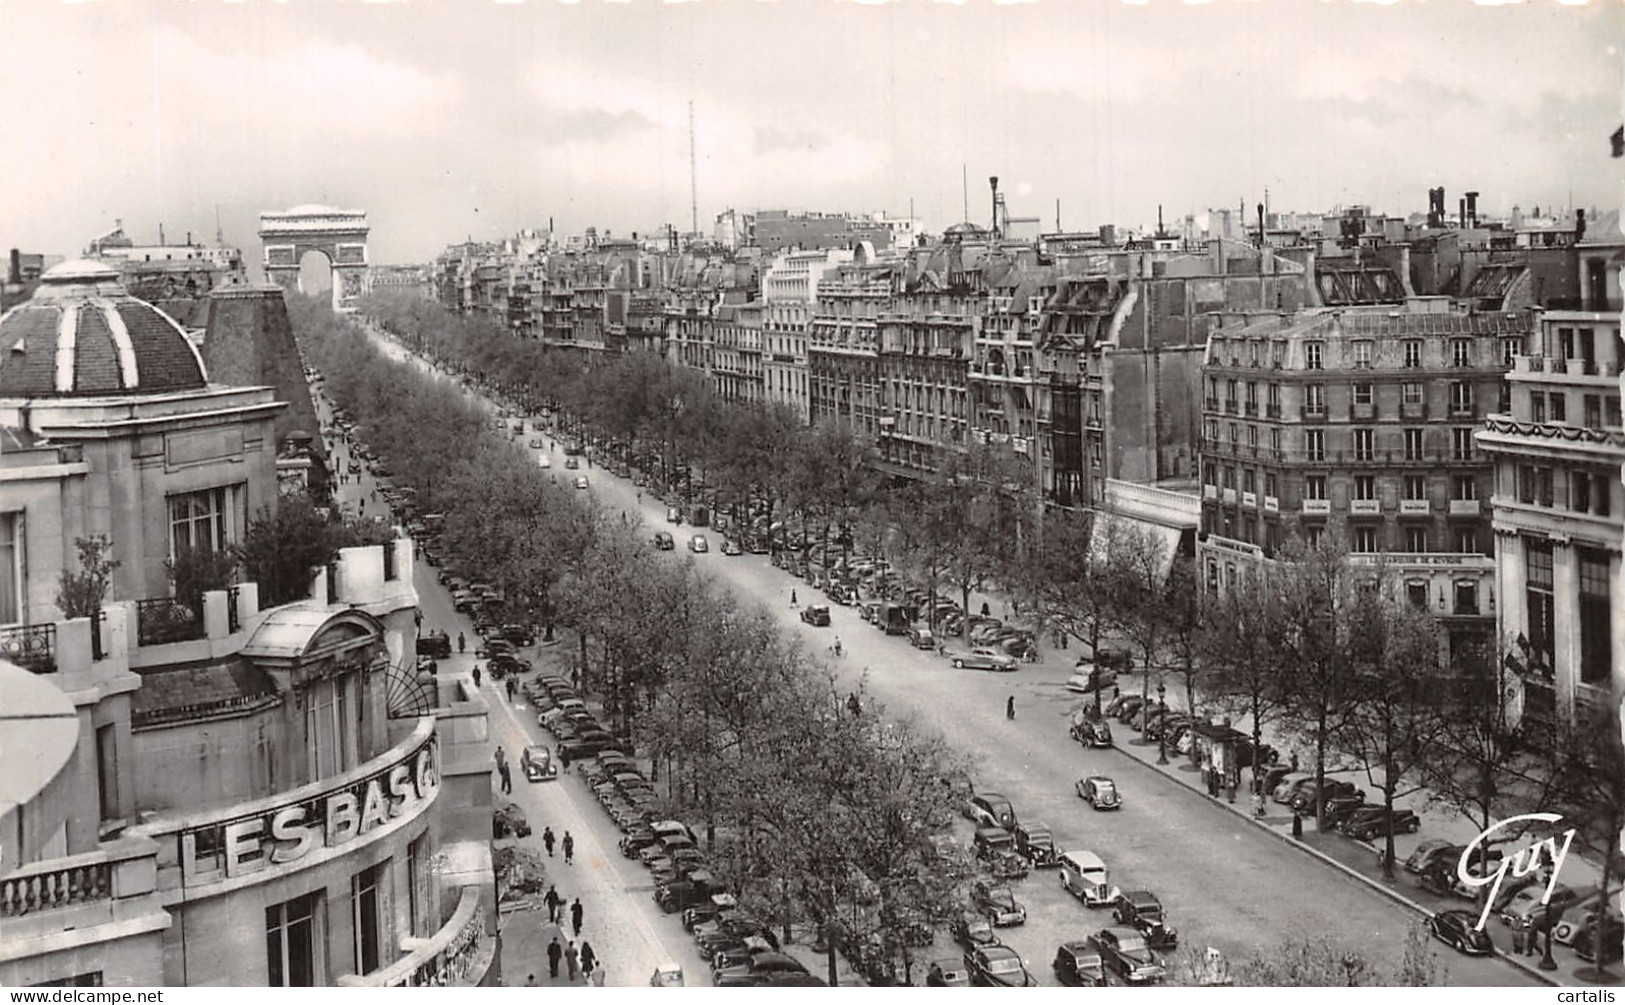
(476, 119)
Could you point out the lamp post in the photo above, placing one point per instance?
(1162, 724)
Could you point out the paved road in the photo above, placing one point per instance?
(1222, 882)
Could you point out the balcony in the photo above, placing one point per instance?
(1230, 406)
(1229, 496)
(1210, 404)
(1466, 507)
(1249, 499)
(1415, 507)
(1251, 408)
(1210, 492)
(1366, 411)
(1317, 507)
(1272, 411)
(1272, 504)
(1314, 413)
(458, 955)
(160, 622)
(32, 647)
(1413, 410)
(1365, 507)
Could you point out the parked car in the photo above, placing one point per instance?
(1127, 706)
(1375, 822)
(755, 970)
(1289, 785)
(1120, 660)
(920, 637)
(674, 514)
(1035, 843)
(1087, 678)
(1142, 910)
(999, 904)
(698, 544)
(664, 541)
(581, 481)
(1430, 851)
(1608, 934)
(436, 644)
(1124, 952)
(1305, 797)
(1526, 905)
(1459, 929)
(731, 547)
(996, 847)
(1100, 792)
(998, 967)
(1084, 875)
(1078, 964)
(816, 614)
(1091, 731)
(990, 809)
(971, 929)
(699, 895)
(947, 972)
(1343, 807)
(571, 464)
(984, 658)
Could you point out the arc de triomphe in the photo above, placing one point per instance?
(339, 234)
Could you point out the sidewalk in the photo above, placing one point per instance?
(1359, 861)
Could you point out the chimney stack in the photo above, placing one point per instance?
(15, 276)
(993, 182)
(1436, 207)
(1261, 226)
(1472, 207)
(1461, 212)
(1579, 226)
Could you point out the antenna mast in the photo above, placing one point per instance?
(693, 176)
(964, 188)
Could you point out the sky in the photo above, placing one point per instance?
(472, 118)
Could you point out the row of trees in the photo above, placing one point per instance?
(814, 803)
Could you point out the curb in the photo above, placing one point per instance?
(1393, 895)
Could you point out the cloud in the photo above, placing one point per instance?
(770, 139)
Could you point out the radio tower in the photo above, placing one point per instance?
(693, 178)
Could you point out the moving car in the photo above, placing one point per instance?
(674, 514)
(1078, 964)
(537, 762)
(581, 481)
(571, 464)
(543, 462)
(816, 614)
(984, 658)
(698, 544)
(1100, 792)
(1458, 929)
(920, 637)
(1084, 875)
(1125, 953)
(999, 904)
(663, 541)
(998, 967)
(731, 547)
(436, 644)
(1091, 731)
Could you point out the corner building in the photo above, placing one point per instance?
(214, 792)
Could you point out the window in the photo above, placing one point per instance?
(1611, 419)
(1314, 444)
(1252, 352)
(203, 521)
(1252, 437)
(1229, 394)
(1413, 353)
(414, 878)
(1537, 406)
(1277, 354)
(1313, 353)
(1413, 444)
(290, 943)
(1364, 444)
(1412, 391)
(1315, 399)
(1461, 443)
(1362, 354)
(1249, 531)
(1510, 347)
(1580, 492)
(1314, 487)
(1213, 388)
(1274, 396)
(1461, 396)
(1466, 597)
(328, 744)
(1602, 495)
(1252, 395)
(366, 916)
(1311, 535)
(1416, 591)
(1538, 597)
(1416, 487)
(1365, 540)
(1248, 480)
(1269, 485)
(13, 582)
(1565, 343)
(1466, 541)
(1275, 441)
(1461, 352)
(1229, 477)
(1463, 487)
(1596, 636)
(1362, 393)
(1234, 438)
(1559, 407)
(107, 770)
(1416, 540)
(1365, 487)
(1593, 411)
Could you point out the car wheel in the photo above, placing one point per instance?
(959, 664)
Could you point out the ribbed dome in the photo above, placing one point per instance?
(83, 334)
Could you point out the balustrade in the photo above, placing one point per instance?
(167, 620)
(32, 647)
(27, 892)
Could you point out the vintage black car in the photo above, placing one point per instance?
(1078, 964)
(1142, 911)
(816, 614)
(1036, 845)
(1125, 953)
(436, 644)
(1459, 929)
(689, 893)
(997, 967)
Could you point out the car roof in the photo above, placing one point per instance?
(1084, 859)
(537, 749)
(1080, 947)
(999, 950)
(1141, 897)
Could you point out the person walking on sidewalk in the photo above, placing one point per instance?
(1010, 707)
(589, 959)
(574, 961)
(476, 675)
(597, 978)
(553, 902)
(547, 841)
(555, 952)
(462, 644)
(569, 849)
(576, 913)
(507, 778)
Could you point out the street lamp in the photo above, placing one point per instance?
(1162, 724)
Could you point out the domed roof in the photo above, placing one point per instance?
(83, 334)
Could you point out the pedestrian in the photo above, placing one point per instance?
(530, 980)
(597, 977)
(573, 959)
(640, 497)
(554, 952)
(511, 687)
(575, 678)
(552, 900)
(569, 851)
(462, 644)
(417, 618)
(1010, 707)
(507, 778)
(589, 959)
(363, 505)
(576, 912)
(476, 675)
(501, 756)
(792, 598)
(984, 609)
(547, 842)
(1294, 761)
(1297, 825)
